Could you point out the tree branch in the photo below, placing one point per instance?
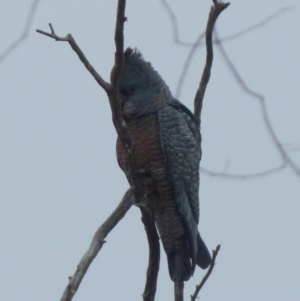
(174, 24)
(193, 49)
(187, 64)
(96, 245)
(194, 46)
(25, 32)
(177, 40)
(257, 25)
(284, 155)
(209, 271)
(213, 16)
(244, 176)
(68, 38)
(113, 96)
(154, 255)
(136, 182)
(119, 42)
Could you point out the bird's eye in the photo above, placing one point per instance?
(127, 91)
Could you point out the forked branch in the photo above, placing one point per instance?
(112, 90)
(135, 193)
(215, 11)
(68, 38)
(96, 245)
(212, 264)
(154, 255)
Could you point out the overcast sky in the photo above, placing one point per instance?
(59, 174)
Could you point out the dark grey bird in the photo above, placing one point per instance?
(168, 148)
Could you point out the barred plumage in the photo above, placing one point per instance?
(167, 140)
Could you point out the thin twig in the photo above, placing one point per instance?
(243, 176)
(119, 42)
(113, 96)
(213, 15)
(285, 157)
(209, 271)
(178, 41)
(187, 65)
(96, 245)
(68, 38)
(178, 290)
(154, 254)
(25, 32)
(258, 25)
(136, 182)
(174, 24)
(194, 46)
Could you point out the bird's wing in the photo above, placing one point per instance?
(180, 140)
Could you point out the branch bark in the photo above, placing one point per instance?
(68, 38)
(136, 182)
(136, 192)
(212, 264)
(96, 245)
(244, 176)
(25, 32)
(154, 255)
(286, 159)
(215, 11)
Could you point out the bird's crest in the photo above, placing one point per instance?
(132, 54)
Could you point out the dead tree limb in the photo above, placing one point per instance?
(136, 182)
(68, 38)
(244, 176)
(96, 245)
(215, 11)
(25, 32)
(187, 64)
(177, 40)
(195, 45)
(154, 255)
(212, 264)
(286, 159)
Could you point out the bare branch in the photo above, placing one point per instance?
(96, 245)
(258, 25)
(119, 42)
(213, 15)
(228, 38)
(187, 64)
(114, 97)
(209, 271)
(25, 32)
(193, 49)
(174, 24)
(243, 176)
(136, 182)
(285, 157)
(178, 290)
(194, 46)
(154, 255)
(68, 38)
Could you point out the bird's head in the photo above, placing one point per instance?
(142, 89)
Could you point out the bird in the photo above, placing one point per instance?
(167, 142)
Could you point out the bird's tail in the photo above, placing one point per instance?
(203, 256)
(180, 268)
(179, 261)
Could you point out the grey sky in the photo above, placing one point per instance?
(59, 174)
